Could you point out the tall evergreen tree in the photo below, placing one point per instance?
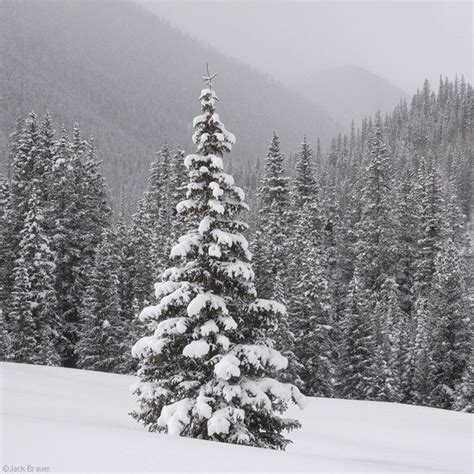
(273, 219)
(69, 210)
(450, 339)
(5, 243)
(177, 192)
(272, 255)
(151, 227)
(375, 246)
(102, 345)
(209, 362)
(80, 213)
(375, 252)
(311, 305)
(356, 372)
(35, 333)
(432, 233)
(390, 356)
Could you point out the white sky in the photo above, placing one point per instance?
(403, 41)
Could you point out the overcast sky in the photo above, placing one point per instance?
(399, 40)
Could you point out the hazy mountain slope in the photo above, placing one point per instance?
(85, 416)
(350, 93)
(128, 78)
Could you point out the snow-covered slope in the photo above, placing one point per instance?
(72, 420)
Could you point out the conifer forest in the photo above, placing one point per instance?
(315, 261)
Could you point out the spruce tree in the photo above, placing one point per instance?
(375, 249)
(272, 249)
(356, 362)
(430, 223)
(141, 265)
(27, 141)
(151, 227)
(375, 254)
(177, 192)
(462, 396)
(35, 333)
(6, 257)
(80, 212)
(69, 211)
(208, 364)
(273, 216)
(24, 344)
(97, 214)
(27, 255)
(128, 320)
(312, 308)
(450, 339)
(390, 355)
(102, 345)
(157, 202)
(431, 235)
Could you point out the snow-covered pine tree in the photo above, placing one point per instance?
(43, 166)
(129, 322)
(431, 231)
(462, 396)
(356, 373)
(375, 230)
(33, 319)
(5, 241)
(304, 182)
(374, 252)
(311, 306)
(450, 339)
(390, 355)
(206, 371)
(69, 212)
(430, 223)
(407, 214)
(6, 264)
(150, 230)
(28, 259)
(177, 192)
(79, 214)
(158, 206)
(23, 343)
(97, 215)
(406, 209)
(272, 253)
(103, 344)
(141, 266)
(22, 173)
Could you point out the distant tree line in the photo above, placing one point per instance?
(365, 244)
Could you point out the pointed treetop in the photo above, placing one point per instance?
(208, 79)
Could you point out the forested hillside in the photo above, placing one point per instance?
(365, 245)
(370, 241)
(127, 78)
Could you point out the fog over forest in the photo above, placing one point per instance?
(405, 42)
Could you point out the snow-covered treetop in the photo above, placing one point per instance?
(211, 136)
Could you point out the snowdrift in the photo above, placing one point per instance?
(73, 420)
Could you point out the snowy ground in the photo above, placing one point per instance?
(72, 420)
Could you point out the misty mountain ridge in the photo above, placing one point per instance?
(350, 93)
(129, 78)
